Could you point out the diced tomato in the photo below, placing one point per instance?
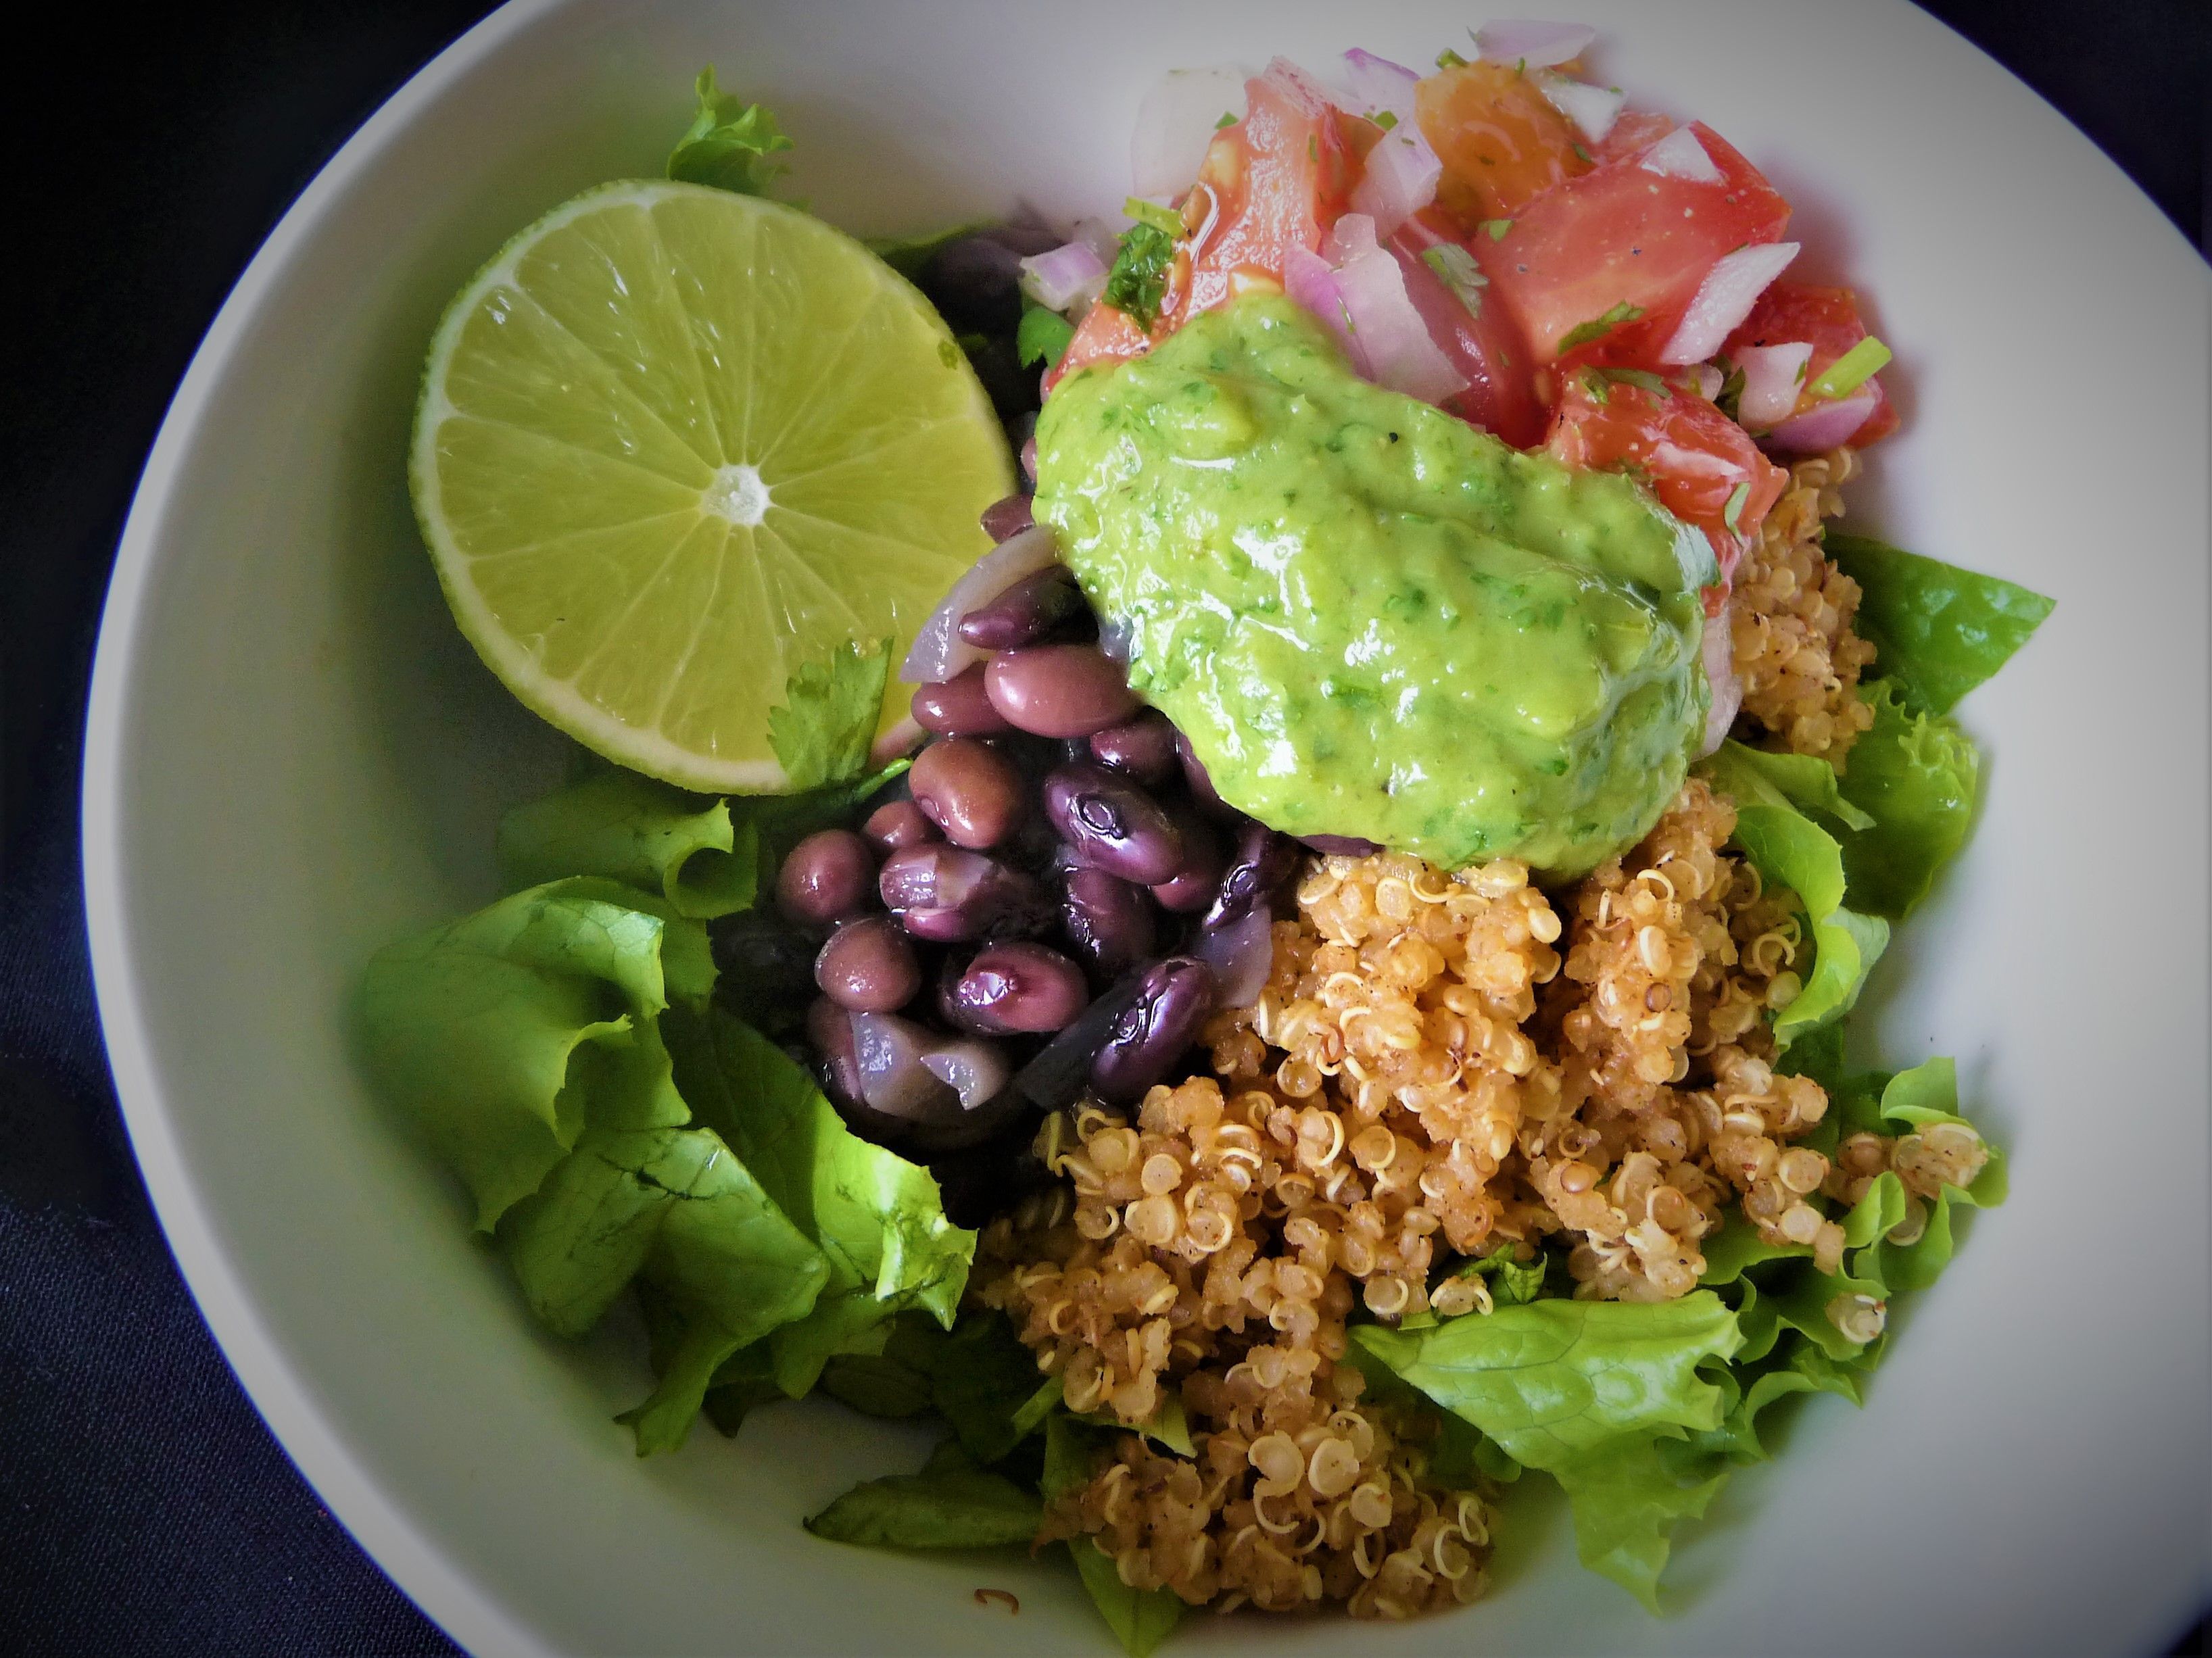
(1694, 458)
(1826, 318)
(1624, 241)
(1277, 179)
(1632, 133)
(1501, 143)
(1483, 344)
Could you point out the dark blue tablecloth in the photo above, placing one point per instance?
(143, 1507)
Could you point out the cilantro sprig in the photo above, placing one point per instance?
(1598, 327)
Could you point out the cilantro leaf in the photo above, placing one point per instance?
(1732, 513)
(730, 145)
(823, 730)
(1496, 228)
(1852, 370)
(1138, 279)
(1042, 337)
(1512, 1283)
(1456, 269)
(1599, 327)
(1164, 220)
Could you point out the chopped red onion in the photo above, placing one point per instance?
(1721, 676)
(1176, 122)
(1070, 274)
(1704, 379)
(1724, 299)
(1360, 293)
(1679, 155)
(939, 651)
(1592, 109)
(887, 1051)
(1774, 378)
(1302, 87)
(1242, 954)
(1533, 42)
(975, 1070)
(1820, 429)
(1400, 177)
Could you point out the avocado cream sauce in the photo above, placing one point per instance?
(1369, 618)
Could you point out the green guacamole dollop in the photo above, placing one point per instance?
(1369, 618)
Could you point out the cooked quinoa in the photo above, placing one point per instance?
(1790, 620)
(1442, 1065)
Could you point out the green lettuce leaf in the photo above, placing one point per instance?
(1913, 777)
(951, 1504)
(981, 1379)
(1042, 337)
(876, 1384)
(1168, 1427)
(879, 1219)
(1905, 1104)
(1789, 849)
(1555, 1378)
(1512, 1283)
(1751, 776)
(503, 1033)
(631, 828)
(822, 729)
(1627, 1498)
(1140, 1618)
(730, 145)
(1938, 630)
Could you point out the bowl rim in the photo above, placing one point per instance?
(303, 1428)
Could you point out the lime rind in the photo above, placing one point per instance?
(636, 572)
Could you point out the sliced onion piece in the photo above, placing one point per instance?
(1724, 299)
(1679, 155)
(939, 651)
(1070, 274)
(1399, 176)
(975, 1070)
(1176, 122)
(1704, 379)
(889, 1052)
(1312, 95)
(1721, 676)
(1360, 293)
(1773, 378)
(1534, 41)
(1820, 429)
(1592, 109)
(1242, 954)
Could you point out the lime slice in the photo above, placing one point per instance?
(673, 444)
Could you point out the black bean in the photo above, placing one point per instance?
(975, 283)
(1005, 519)
(968, 789)
(1017, 988)
(868, 965)
(1112, 824)
(1110, 922)
(896, 825)
(1144, 748)
(1263, 860)
(1154, 1030)
(1060, 690)
(950, 895)
(1192, 887)
(1025, 612)
(958, 707)
(828, 876)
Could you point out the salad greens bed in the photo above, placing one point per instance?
(569, 1052)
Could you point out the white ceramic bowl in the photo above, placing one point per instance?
(293, 758)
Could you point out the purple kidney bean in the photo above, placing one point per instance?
(968, 789)
(1017, 988)
(896, 825)
(868, 965)
(959, 707)
(1112, 824)
(830, 1031)
(887, 1051)
(1110, 922)
(1005, 519)
(827, 877)
(1143, 749)
(1060, 690)
(1024, 613)
(1263, 860)
(1192, 887)
(1151, 1033)
(950, 895)
(1343, 846)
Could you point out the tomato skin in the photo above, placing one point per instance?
(1107, 334)
(1502, 143)
(1694, 456)
(1826, 318)
(1632, 133)
(1623, 235)
(1484, 346)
